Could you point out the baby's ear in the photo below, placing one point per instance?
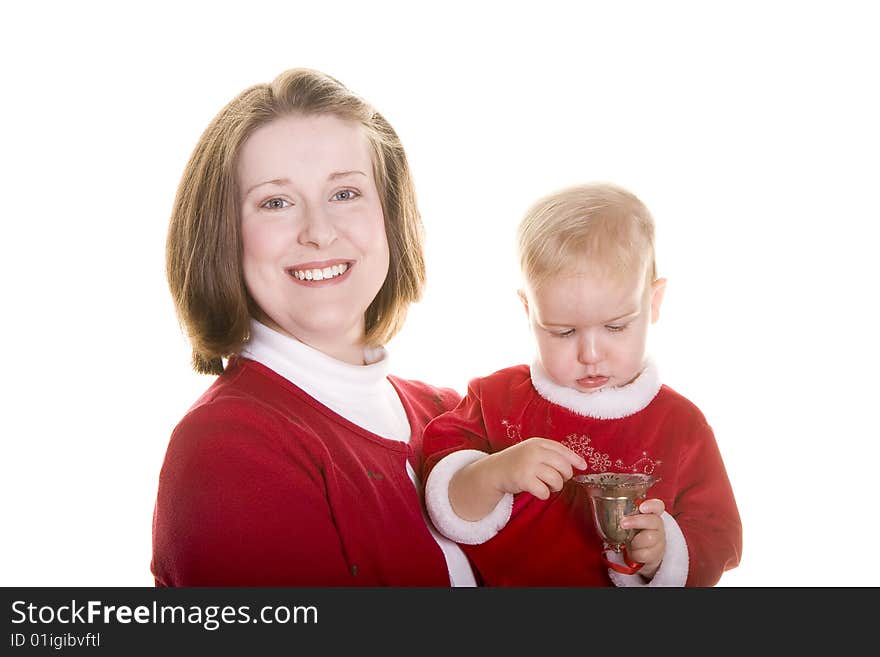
(658, 289)
(525, 300)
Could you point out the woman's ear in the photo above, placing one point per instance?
(658, 289)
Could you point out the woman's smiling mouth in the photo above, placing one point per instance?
(309, 274)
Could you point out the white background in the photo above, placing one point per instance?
(749, 129)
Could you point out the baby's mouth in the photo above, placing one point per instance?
(592, 381)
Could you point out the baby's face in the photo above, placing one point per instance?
(591, 331)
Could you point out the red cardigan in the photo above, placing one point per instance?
(262, 485)
(554, 542)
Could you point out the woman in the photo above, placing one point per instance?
(293, 252)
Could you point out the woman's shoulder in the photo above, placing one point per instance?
(502, 379)
(418, 392)
(240, 390)
(245, 407)
(449, 397)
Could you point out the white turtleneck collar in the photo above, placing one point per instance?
(606, 404)
(361, 394)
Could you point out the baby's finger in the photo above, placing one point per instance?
(569, 455)
(653, 554)
(642, 521)
(653, 505)
(537, 488)
(558, 463)
(550, 476)
(646, 539)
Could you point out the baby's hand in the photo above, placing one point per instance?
(649, 544)
(537, 465)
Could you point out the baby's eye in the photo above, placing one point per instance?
(275, 204)
(616, 328)
(345, 195)
(564, 334)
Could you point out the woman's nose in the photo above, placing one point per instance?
(317, 228)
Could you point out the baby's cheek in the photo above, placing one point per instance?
(557, 363)
(560, 371)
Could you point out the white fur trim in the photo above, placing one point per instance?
(605, 404)
(673, 570)
(440, 510)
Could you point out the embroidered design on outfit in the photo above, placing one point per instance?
(645, 464)
(601, 461)
(513, 431)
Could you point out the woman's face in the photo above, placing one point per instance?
(315, 250)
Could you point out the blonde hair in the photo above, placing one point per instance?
(204, 249)
(596, 226)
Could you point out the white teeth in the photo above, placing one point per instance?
(319, 274)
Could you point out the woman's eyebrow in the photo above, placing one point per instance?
(276, 181)
(286, 181)
(342, 174)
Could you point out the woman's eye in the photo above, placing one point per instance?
(275, 204)
(345, 195)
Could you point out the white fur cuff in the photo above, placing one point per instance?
(441, 512)
(673, 570)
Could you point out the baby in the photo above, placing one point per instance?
(497, 467)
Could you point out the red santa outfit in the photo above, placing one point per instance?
(295, 469)
(644, 427)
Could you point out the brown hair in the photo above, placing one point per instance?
(596, 225)
(204, 251)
